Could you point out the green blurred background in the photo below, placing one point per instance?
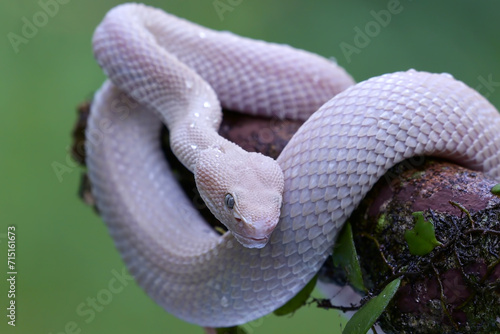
(64, 254)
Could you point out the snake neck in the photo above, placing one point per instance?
(191, 136)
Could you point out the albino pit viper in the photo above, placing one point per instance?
(165, 69)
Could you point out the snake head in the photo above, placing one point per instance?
(243, 191)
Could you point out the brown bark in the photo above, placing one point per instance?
(456, 287)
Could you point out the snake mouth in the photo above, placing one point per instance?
(247, 241)
(250, 242)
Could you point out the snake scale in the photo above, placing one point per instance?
(165, 69)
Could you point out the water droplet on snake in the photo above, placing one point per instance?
(224, 302)
(206, 105)
(189, 84)
(196, 114)
(202, 34)
(194, 147)
(332, 59)
(447, 75)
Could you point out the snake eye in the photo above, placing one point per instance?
(229, 201)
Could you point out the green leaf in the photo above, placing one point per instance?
(382, 222)
(298, 300)
(345, 256)
(421, 239)
(363, 320)
(231, 330)
(496, 189)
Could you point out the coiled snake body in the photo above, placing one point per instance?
(328, 166)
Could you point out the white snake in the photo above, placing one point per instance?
(177, 71)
